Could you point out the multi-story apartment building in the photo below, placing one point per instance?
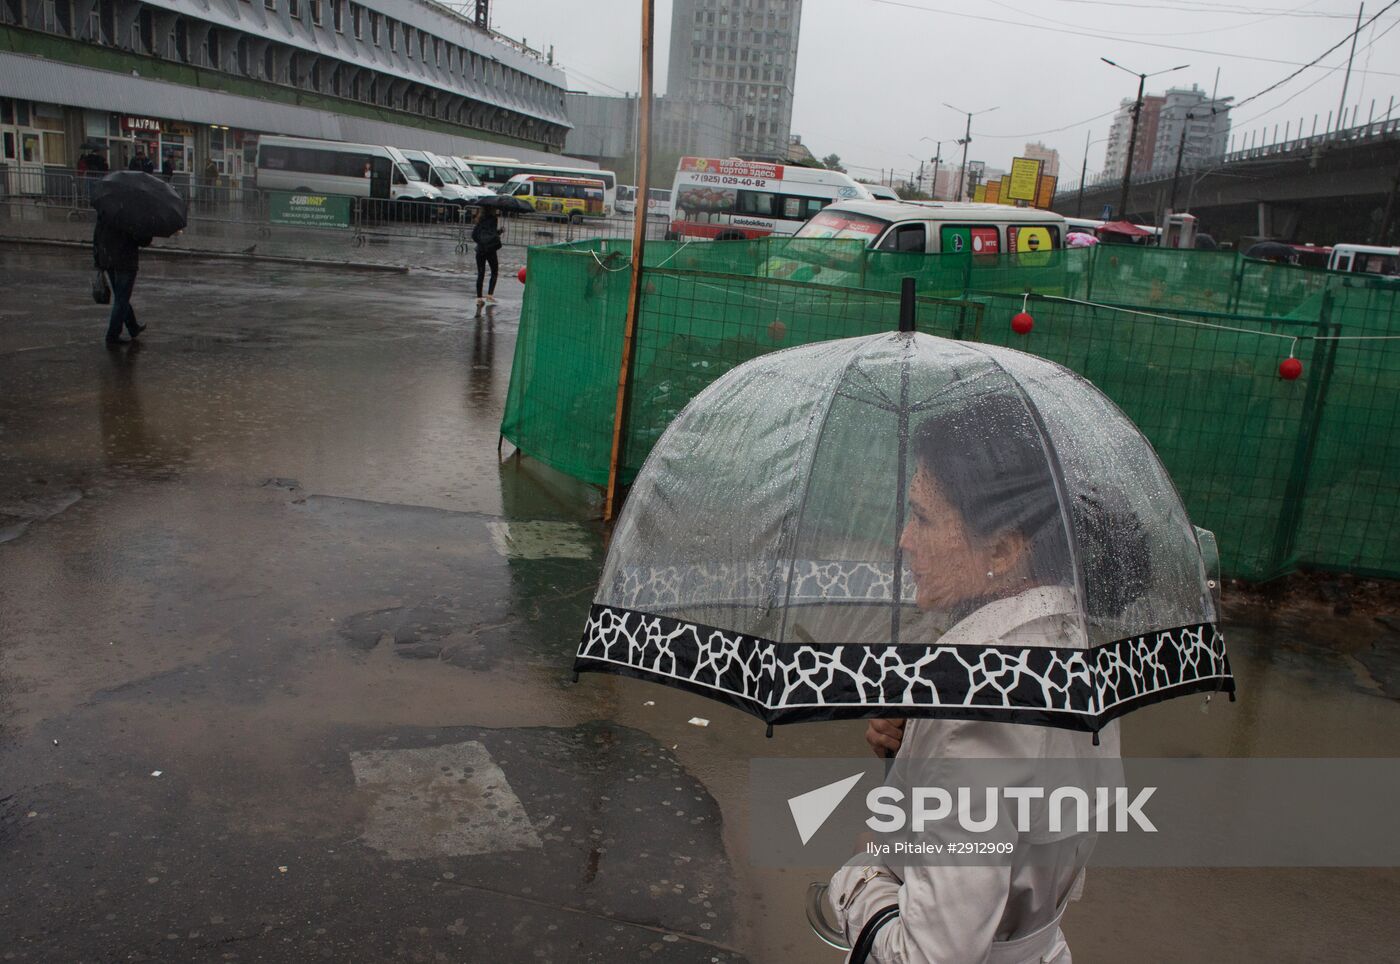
(198, 80)
(741, 53)
(1116, 154)
(1205, 123)
(1048, 157)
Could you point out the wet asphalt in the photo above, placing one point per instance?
(285, 652)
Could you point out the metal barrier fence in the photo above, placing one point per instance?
(231, 216)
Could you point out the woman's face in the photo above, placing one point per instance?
(950, 564)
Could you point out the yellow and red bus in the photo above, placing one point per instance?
(573, 198)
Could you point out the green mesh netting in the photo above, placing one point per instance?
(1288, 474)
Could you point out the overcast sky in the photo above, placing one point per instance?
(872, 75)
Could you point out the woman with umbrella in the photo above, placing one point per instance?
(487, 235)
(959, 534)
(991, 560)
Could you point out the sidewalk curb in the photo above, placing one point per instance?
(221, 255)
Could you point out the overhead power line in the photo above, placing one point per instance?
(1113, 38)
(1313, 63)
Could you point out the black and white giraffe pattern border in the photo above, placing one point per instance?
(1074, 688)
(718, 583)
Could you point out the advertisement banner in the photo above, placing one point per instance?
(980, 195)
(314, 210)
(1023, 180)
(1045, 195)
(993, 195)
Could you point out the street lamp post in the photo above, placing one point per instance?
(1084, 171)
(966, 140)
(937, 160)
(1132, 136)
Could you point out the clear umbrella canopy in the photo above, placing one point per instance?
(907, 525)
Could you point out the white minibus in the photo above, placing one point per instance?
(731, 200)
(370, 172)
(441, 174)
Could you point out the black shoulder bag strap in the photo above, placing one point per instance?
(865, 943)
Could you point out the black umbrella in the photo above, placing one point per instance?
(1272, 251)
(139, 204)
(1205, 242)
(500, 202)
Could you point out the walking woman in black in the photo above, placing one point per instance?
(487, 235)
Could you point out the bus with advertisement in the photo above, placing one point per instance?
(496, 172)
(571, 198)
(732, 200)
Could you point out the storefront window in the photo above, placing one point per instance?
(55, 147)
(30, 149)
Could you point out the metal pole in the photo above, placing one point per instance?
(1132, 145)
(937, 160)
(967, 139)
(1346, 79)
(639, 238)
(1083, 175)
(1180, 149)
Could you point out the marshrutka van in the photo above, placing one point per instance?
(332, 167)
(574, 198)
(940, 227)
(732, 200)
(442, 174)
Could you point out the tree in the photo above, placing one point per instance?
(832, 162)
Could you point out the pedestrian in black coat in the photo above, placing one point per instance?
(487, 235)
(118, 253)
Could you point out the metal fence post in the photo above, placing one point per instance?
(1321, 366)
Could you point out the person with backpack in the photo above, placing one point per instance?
(487, 235)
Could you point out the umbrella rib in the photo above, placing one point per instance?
(1057, 473)
(870, 383)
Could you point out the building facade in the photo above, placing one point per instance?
(1048, 157)
(605, 128)
(197, 80)
(1192, 125)
(741, 54)
(1116, 153)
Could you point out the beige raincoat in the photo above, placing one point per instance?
(969, 914)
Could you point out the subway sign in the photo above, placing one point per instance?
(315, 210)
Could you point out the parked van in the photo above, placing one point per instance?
(935, 227)
(441, 174)
(366, 171)
(882, 193)
(574, 198)
(470, 182)
(1365, 259)
(730, 200)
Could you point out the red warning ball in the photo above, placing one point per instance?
(1022, 323)
(1289, 369)
(521, 275)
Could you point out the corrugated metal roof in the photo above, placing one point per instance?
(52, 82)
(257, 21)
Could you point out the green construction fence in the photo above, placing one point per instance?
(1288, 474)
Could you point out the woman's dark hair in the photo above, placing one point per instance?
(990, 462)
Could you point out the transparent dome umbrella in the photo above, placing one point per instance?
(904, 525)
